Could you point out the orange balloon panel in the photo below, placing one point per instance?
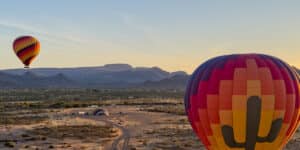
(26, 48)
(243, 101)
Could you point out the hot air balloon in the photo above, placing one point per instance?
(243, 101)
(26, 48)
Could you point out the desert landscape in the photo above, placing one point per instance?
(131, 123)
(141, 123)
(149, 75)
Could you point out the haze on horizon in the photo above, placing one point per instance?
(171, 34)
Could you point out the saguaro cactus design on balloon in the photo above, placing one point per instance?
(247, 101)
(252, 127)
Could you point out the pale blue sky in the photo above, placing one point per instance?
(172, 34)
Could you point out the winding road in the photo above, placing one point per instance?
(125, 136)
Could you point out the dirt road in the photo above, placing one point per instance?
(125, 136)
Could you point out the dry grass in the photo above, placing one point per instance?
(171, 109)
(22, 120)
(75, 132)
(174, 138)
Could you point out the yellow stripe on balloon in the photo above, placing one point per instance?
(278, 114)
(24, 43)
(217, 134)
(253, 88)
(212, 110)
(226, 117)
(260, 146)
(268, 102)
(31, 54)
(239, 107)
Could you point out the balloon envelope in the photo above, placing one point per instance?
(243, 101)
(26, 48)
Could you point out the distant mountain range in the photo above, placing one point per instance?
(107, 76)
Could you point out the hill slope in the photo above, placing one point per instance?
(107, 76)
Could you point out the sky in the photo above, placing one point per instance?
(172, 34)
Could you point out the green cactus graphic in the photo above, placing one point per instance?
(252, 127)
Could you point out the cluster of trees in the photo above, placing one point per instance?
(85, 94)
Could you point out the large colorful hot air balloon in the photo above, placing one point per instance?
(26, 48)
(243, 101)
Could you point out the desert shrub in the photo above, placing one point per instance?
(10, 144)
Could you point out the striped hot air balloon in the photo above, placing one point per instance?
(26, 48)
(243, 101)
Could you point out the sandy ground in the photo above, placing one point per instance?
(146, 131)
(33, 142)
(151, 130)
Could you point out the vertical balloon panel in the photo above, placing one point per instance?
(243, 101)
